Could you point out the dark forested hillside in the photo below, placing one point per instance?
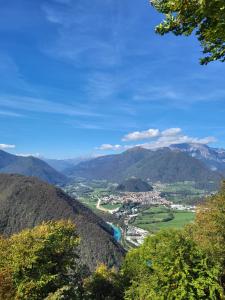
(134, 184)
(108, 167)
(26, 202)
(29, 166)
(162, 165)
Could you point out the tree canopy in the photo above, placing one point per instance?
(205, 18)
(43, 263)
(209, 228)
(40, 262)
(172, 266)
(103, 284)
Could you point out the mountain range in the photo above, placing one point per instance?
(30, 166)
(63, 164)
(214, 158)
(180, 162)
(27, 201)
(165, 165)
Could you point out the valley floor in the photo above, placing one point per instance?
(137, 215)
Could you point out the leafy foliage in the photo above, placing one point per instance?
(204, 17)
(104, 284)
(26, 202)
(7, 290)
(209, 228)
(170, 265)
(40, 261)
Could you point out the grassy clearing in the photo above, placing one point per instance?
(111, 206)
(89, 203)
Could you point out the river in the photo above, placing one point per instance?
(117, 232)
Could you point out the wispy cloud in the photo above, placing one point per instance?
(84, 125)
(33, 104)
(115, 63)
(105, 123)
(62, 1)
(6, 146)
(156, 93)
(178, 96)
(11, 76)
(8, 113)
(79, 42)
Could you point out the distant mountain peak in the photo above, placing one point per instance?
(30, 166)
(214, 158)
(166, 165)
(136, 149)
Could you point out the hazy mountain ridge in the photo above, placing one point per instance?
(165, 165)
(109, 166)
(30, 166)
(27, 201)
(63, 164)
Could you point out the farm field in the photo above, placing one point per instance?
(158, 218)
(111, 206)
(183, 192)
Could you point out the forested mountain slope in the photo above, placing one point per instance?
(26, 202)
(30, 166)
(163, 165)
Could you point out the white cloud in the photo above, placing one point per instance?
(6, 146)
(159, 139)
(151, 133)
(29, 154)
(171, 132)
(166, 141)
(141, 135)
(107, 147)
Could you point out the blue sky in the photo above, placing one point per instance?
(85, 77)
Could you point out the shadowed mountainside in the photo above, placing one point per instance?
(30, 166)
(134, 185)
(26, 202)
(162, 165)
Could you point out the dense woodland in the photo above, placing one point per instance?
(27, 201)
(144, 164)
(43, 263)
